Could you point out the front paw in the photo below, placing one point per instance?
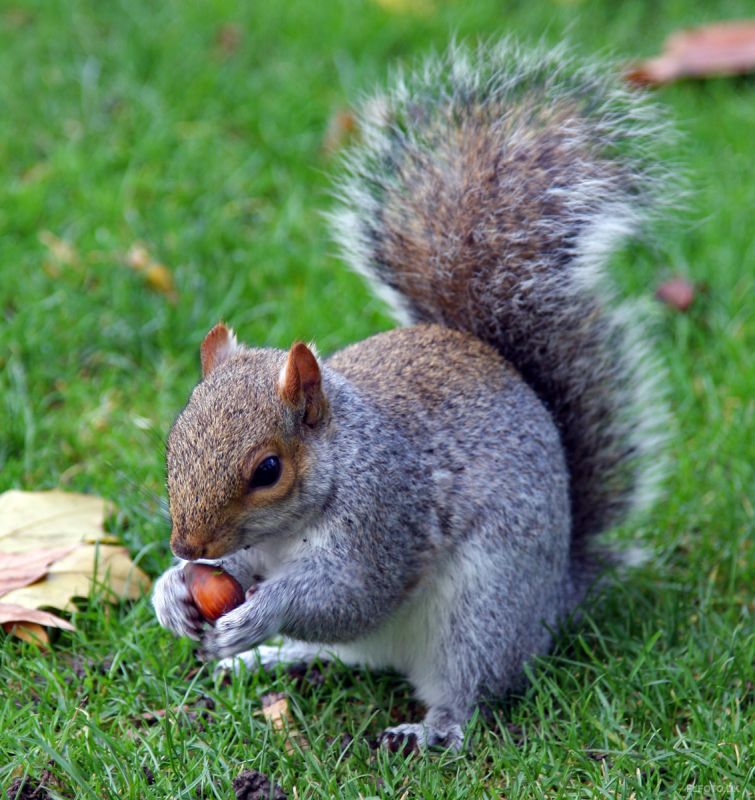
(238, 630)
(174, 608)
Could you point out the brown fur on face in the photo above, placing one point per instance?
(234, 419)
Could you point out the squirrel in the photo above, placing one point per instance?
(430, 499)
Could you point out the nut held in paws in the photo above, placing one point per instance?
(213, 590)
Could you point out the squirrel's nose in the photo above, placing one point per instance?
(184, 550)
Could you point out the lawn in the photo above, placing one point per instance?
(196, 130)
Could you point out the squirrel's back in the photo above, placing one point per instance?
(477, 432)
(486, 195)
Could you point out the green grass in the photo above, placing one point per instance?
(125, 121)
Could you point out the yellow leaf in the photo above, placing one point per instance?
(35, 520)
(61, 250)
(61, 534)
(74, 575)
(160, 278)
(276, 711)
(156, 275)
(408, 6)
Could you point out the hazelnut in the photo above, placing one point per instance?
(213, 590)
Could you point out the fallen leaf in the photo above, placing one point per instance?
(152, 717)
(276, 711)
(61, 250)
(408, 6)
(36, 173)
(720, 49)
(30, 632)
(228, 37)
(160, 278)
(21, 569)
(198, 715)
(341, 127)
(35, 575)
(156, 275)
(35, 520)
(14, 18)
(11, 613)
(73, 577)
(138, 257)
(678, 293)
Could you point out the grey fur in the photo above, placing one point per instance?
(441, 506)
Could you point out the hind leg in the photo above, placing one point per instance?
(442, 726)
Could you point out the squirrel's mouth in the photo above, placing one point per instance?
(217, 545)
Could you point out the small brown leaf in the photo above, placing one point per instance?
(341, 127)
(228, 38)
(678, 293)
(138, 257)
(158, 714)
(62, 251)
(30, 632)
(724, 48)
(156, 275)
(420, 7)
(276, 711)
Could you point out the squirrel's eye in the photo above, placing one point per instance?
(267, 473)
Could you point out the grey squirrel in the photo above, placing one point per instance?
(428, 500)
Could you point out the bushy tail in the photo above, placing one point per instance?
(486, 195)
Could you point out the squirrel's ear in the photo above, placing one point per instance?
(300, 383)
(219, 344)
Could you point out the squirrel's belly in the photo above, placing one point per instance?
(413, 639)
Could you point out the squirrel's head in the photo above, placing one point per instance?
(242, 456)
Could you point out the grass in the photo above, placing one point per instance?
(129, 122)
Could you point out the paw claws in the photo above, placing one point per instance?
(404, 743)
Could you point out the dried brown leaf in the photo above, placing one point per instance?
(62, 251)
(31, 632)
(341, 128)
(11, 613)
(138, 257)
(720, 49)
(228, 38)
(276, 711)
(678, 293)
(420, 7)
(156, 275)
(160, 278)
